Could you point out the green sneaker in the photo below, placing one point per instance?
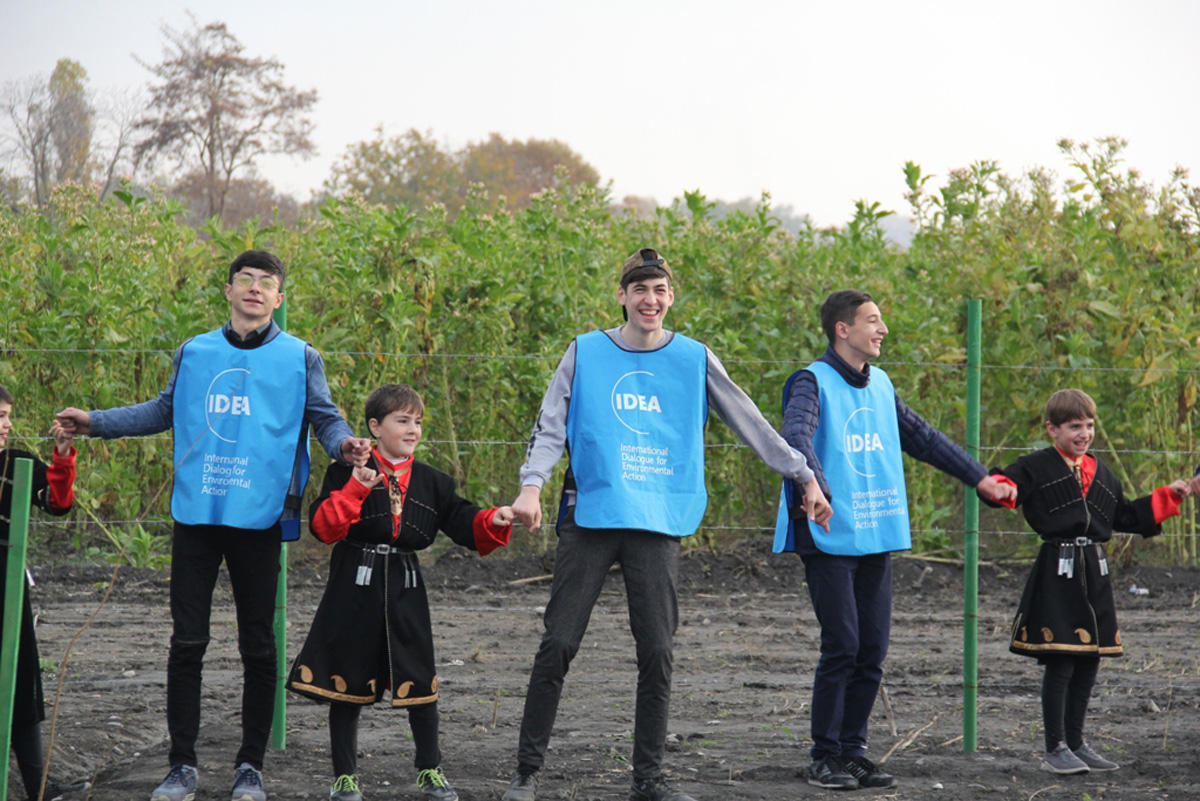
(345, 788)
(432, 782)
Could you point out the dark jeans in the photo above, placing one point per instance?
(252, 558)
(343, 736)
(650, 565)
(852, 597)
(1066, 689)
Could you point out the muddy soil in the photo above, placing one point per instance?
(744, 658)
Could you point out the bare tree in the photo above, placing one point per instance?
(27, 106)
(50, 127)
(215, 110)
(115, 134)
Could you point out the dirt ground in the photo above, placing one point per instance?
(744, 657)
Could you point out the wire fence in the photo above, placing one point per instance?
(1192, 454)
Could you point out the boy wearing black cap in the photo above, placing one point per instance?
(630, 403)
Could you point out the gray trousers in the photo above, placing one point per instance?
(650, 564)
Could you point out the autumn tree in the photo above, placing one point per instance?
(409, 170)
(413, 169)
(518, 170)
(215, 110)
(72, 117)
(248, 197)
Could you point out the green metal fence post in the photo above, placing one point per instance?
(971, 536)
(279, 720)
(14, 595)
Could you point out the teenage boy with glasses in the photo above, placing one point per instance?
(240, 400)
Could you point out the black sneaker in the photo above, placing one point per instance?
(830, 773)
(656, 789)
(867, 773)
(61, 792)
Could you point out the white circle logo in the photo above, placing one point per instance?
(224, 400)
(632, 403)
(856, 445)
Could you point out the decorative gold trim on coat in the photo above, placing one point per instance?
(1050, 647)
(330, 694)
(428, 699)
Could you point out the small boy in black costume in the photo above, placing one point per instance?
(1066, 619)
(53, 490)
(372, 631)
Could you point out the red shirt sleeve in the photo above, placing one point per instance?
(60, 478)
(342, 509)
(487, 536)
(1165, 503)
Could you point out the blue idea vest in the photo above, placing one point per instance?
(635, 431)
(240, 442)
(858, 442)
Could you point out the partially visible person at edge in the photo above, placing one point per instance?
(372, 632)
(1067, 619)
(851, 425)
(240, 401)
(630, 403)
(52, 491)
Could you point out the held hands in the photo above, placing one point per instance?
(356, 450)
(62, 438)
(527, 507)
(503, 516)
(1184, 488)
(818, 508)
(366, 476)
(996, 491)
(73, 421)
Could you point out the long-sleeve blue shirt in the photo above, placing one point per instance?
(156, 415)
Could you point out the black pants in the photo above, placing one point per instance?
(343, 736)
(1066, 688)
(852, 598)
(27, 748)
(252, 558)
(650, 565)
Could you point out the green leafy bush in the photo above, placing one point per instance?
(1092, 284)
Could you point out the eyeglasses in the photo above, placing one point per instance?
(267, 283)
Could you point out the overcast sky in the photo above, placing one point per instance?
(819, 104)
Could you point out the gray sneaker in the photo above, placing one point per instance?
(247, 784)
(523, 787)
(179, 785)
(1063, 761)
(1094, 760)
(434, 786)
(345, 788)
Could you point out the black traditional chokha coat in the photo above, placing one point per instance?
(372, 630)
(1067, 605)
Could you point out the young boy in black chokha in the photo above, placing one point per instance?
(1066, 618)
(372, 631)
(53, 489)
